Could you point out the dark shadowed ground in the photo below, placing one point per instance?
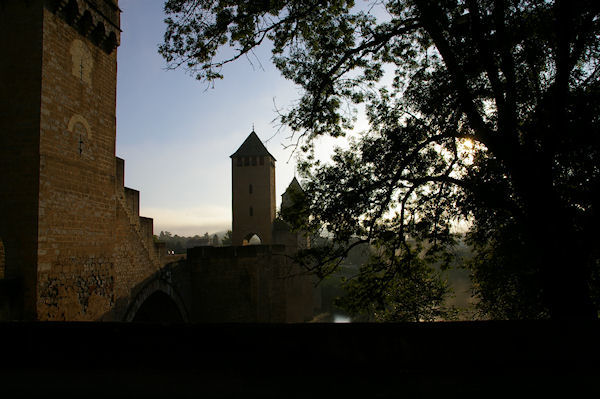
(458, 359)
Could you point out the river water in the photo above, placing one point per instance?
(341, 318)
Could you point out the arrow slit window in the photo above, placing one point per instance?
(81, 135)
(81, 58)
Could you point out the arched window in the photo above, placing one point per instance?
(251, 211)
(82, 60)
(251, 239)
(81, 137)
(254, 240)
(250, 189)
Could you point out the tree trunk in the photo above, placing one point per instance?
(562, 261)
(566, 287)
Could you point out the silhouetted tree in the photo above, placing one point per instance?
(178, 247)
(491, 114)
(164, 236)
(179, 244)
(227, 238)
(195, 241)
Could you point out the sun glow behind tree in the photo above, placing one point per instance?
(491, 117)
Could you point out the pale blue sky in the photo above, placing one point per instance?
(176, 137)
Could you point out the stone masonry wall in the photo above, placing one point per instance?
(92, 250)
(255, 283)
(248, 171)
(20, 82)
(77, 199)
(134, 257)
(74, 247)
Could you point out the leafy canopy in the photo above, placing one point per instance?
(490, 115)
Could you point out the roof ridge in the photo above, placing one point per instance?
(252, 146)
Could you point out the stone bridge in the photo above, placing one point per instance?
(256, 283)
(73, 246)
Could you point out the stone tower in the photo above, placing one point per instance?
(253, 192)
(291, 194)
(57, 143)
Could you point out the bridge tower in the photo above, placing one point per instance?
(57, 143)
(253, 192)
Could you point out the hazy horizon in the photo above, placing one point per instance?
(176, 135)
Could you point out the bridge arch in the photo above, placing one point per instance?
(252, 239)
(158, 301)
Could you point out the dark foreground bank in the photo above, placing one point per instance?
(491, 359)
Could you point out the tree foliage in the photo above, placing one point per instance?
(485, 110)
(383, 292)
(179, 244)
(227, 240)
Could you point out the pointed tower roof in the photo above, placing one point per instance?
(292, 193)
(294, 186)
(252, 146)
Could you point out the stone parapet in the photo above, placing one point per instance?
(120, 173)
(254, 283)
(132, 198)
(147, 230)
(248, 251)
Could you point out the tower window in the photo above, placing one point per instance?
(239, 161)
(262, 160)
(250, 189)
(246, 161)
(251, 211)
(80, 133)
(82, 60)
(253, 161)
